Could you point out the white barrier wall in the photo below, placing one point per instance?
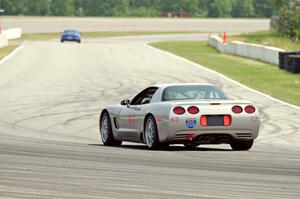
(3, 41)
(255, 51)
(12, 33)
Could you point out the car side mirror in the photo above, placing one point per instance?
(125, 102)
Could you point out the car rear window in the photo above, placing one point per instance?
(70, 32)
(190, 92)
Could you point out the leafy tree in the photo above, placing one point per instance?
(118, 7)
(79, 8)
(264, 8)
(289, 22)
(37, 7)
(62, 7)
(242, 8)
(14, 7)
(202, 8)
(196, 8)
(145, 3)
(190, 6)
(144, 12)
(220, 8)
(279, 4)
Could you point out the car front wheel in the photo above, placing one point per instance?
(241, 145)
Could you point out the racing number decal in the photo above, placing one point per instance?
(174, 119)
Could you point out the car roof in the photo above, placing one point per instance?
(165, 85)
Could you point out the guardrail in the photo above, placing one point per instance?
(255, 51)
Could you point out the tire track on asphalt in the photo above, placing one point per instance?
(66, 160)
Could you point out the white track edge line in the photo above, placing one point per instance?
(11, 54)
(225, 77)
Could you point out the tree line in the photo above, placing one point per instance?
(142, 8)
(288, 20)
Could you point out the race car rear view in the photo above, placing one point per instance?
(70, 35)
(189, 114)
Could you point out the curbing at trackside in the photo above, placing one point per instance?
(225, 77)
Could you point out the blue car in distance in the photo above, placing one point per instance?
(70, 35)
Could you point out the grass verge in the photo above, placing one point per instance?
(257, 75)
(268, 38)
(51, 36)
(6, 50)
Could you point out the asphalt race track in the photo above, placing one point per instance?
(50, 98)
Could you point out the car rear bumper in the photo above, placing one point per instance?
(70, 39)
(235, 133)
(178, 132)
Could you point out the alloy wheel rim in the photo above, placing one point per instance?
(150, 133)
(104, 129)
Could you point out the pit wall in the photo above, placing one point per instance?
(8, 34)
(254, 51)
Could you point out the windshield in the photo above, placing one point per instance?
(188, 92)
(70, 32)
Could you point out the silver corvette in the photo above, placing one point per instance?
(189, 114)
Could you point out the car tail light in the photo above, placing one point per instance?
(227, 120)
(237, 109)
(249, 109)
(193, 110)
(179, 110)
(203, 121)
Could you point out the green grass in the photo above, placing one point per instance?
(257, 75)
(269, 38)
(6, 50)
(51, 36)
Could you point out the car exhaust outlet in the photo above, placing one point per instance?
(190, 136)
(226, 139)
(206, 139)
(220, 139)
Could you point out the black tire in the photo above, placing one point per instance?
(107, 137)
(62, 41)
(151, 136)
(241, 145)
(79, 41)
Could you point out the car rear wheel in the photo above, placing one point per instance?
(241, 145)
(62, 41)
(151, 133)
(106, 131)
